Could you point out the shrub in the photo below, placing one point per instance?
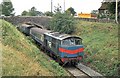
(63, 23)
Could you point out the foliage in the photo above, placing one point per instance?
(119, 6)
(94, 12)
(48, 13)
(24, 13)
(32, 12)
(71, 10)
(111, 7)
(101, 46)
(63, 23)
(105, 16)
(7, 8)
(20, 57)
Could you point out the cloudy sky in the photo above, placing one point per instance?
(84, 6)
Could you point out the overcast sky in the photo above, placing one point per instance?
(84, 6)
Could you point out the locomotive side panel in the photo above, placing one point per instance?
(38, 34)
(52, 44)
(24, 28)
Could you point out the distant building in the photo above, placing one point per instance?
(103, 8)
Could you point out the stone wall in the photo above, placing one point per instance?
(42, 20)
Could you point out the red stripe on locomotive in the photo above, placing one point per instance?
(71, 51)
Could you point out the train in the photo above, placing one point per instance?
(63, 47)
(87, 15)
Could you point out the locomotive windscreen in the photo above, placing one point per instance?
(72, 41)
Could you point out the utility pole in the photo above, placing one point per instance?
(116, 12)
(64, 5)
(51, 5)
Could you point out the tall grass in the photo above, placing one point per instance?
(20, 57)
(101, 46)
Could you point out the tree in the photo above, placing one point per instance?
(71, 10)
(94, 12)
(63, 23)
(32, 12)
(111, 7)
(38, 13)
(7, 8)
(24, 13)
(48, 13)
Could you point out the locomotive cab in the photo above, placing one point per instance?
(71, 49)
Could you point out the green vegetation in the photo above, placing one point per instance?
(48, 13)
(32, 12)
(71, 10)
(6, 8)
(20, 57)
(101, 46)
(62, 22)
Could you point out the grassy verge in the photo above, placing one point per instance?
(20, 57)
(101, 46)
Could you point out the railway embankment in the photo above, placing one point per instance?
(100, 41)
(20, 57)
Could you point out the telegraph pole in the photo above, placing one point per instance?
(64, 5)
(116, 12)
(51, 5)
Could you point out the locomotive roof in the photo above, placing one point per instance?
(27, 25)
(39, 30)
(55, 35)
(59, 36)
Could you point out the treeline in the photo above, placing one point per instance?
(7, 9)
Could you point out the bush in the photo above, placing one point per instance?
(63, 23)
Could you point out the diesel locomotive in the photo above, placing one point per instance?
(63, 47)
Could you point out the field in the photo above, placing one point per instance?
(20, 57)
(100, 41)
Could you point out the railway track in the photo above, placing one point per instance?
(82, 71)
(75, 72)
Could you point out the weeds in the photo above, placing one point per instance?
(101, 46)
(22, 58)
